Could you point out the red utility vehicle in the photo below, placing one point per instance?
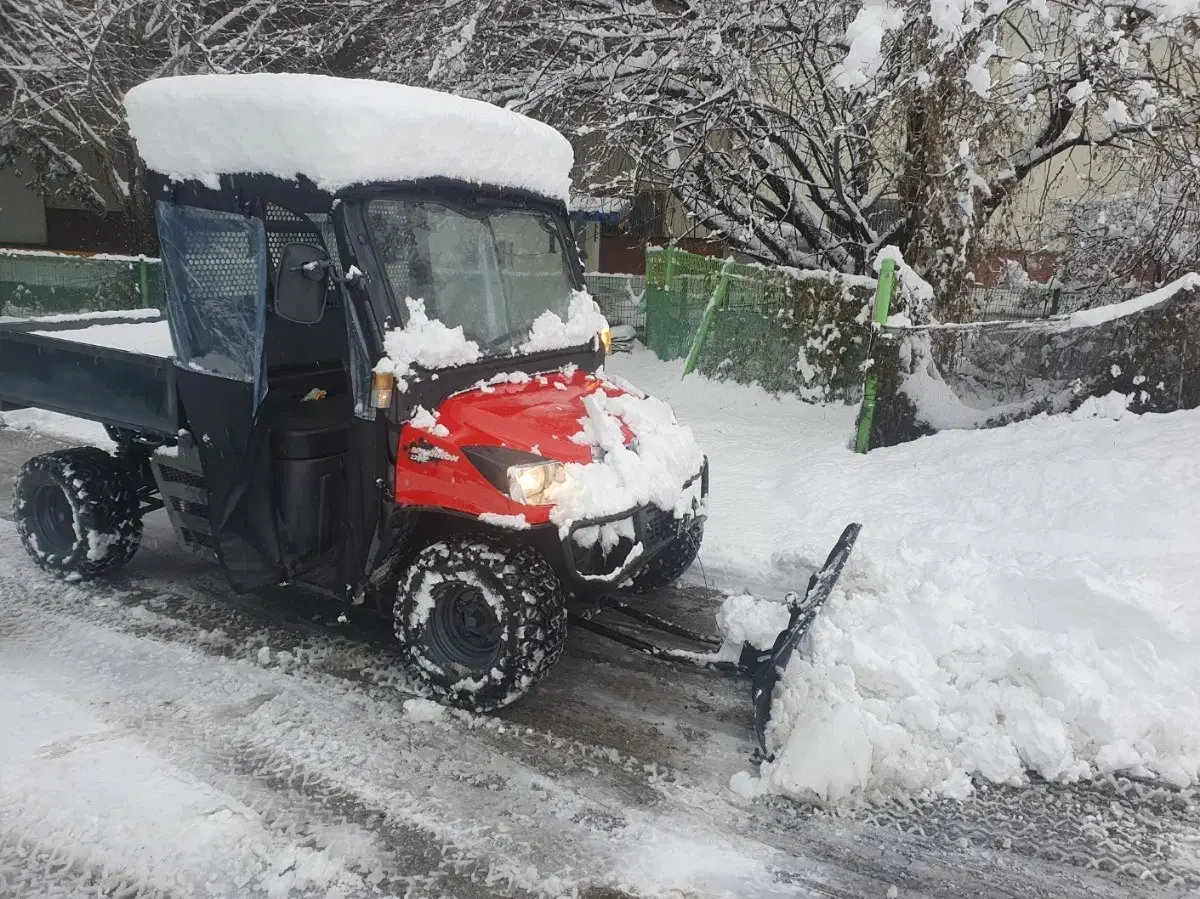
(463, 466)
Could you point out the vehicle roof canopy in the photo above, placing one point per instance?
(339, 133)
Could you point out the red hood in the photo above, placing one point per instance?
(540, 415)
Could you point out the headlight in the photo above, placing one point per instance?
(529, 484)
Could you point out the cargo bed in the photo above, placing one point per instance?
(114, 368)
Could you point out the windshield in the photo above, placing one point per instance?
(492, 272)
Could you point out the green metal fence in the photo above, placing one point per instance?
(34, 282)
(782, 330)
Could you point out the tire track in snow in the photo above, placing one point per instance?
(915, 847)
(858, 871)
(427, 776)
(33, 870)
(936, 831)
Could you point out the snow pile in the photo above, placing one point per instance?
(929, 669)
(424, 711)
(424, 420)
(746, 619)
(1021, 599)
(339, 132)
(917, 291)
(1113, 406)
(509, 522)
(426, 343)
(662, 456)
(550, 332)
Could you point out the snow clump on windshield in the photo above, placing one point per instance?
(426, 343)
(550, 332)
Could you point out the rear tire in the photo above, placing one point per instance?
(671, 563)
(479, 622)
(77, 513)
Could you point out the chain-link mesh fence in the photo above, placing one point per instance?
(989, 374)
(620, 298)
(1036, 301)
(45, 283)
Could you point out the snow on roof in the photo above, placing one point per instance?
(339, 132)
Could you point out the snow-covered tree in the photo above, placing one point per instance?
(66, 64)
(814, 132)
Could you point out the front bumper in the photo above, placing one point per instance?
(654, 530)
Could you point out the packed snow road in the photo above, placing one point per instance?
(163, 737)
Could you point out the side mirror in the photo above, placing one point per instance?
(300, 283)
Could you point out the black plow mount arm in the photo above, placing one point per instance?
(763, 667)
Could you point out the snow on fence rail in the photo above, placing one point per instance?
(1143, 353)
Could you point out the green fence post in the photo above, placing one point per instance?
(668, 266)
(144, 282)
(717, 298)
(883, 301)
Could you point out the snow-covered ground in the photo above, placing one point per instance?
(1021, 599)
(54, 424)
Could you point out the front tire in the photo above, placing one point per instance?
(479, 622)
(77, 513)
(669, 565)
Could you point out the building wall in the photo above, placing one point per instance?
(63, 223)
(621, 254)
(22, 213)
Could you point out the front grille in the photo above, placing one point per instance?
(593, 561)
(179, 476)
(187, 507)
(197, 538)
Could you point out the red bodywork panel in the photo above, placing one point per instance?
(539, 416)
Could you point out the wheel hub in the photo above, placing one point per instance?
(463, 630)
(55, 519)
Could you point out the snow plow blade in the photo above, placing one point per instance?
(804, 608)
(762, 667)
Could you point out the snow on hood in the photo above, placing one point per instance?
(339, 132)
(651, 469)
